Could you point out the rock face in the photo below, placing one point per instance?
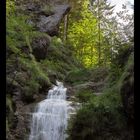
(22, 115)
(46, 15)
(51, 23)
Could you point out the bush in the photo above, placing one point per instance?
(84, 95)
(98, 73)
(126, 89)
(77, 76)
(100, 118)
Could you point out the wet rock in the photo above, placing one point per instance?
(70, 91)
(22, 119)
(67, 97)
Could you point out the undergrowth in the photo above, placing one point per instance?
(108, 116)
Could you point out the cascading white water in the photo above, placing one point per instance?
(49, 121)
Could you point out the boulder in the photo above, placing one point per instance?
(51, 23)
(45, 15)
(40, 46)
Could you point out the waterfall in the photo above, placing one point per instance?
(49, 121)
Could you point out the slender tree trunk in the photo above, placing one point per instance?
(99, 43)
(65, 28)
(91, 56)
(99, 37)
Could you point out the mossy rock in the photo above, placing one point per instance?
(40, 45)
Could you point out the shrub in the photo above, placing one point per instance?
(84, 95)
(100, 118)
(77, 76)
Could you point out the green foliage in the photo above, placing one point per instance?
(97, 35)
(77, 76)
(100, 118)
(84, 95)
(37, 76)
(57, 49)
(124, 51)
(126, 89)
(85, 34)
(35, 69)
(55, 68)
(16, 32)
(10, 7)
(103, 116)
(19, 36)
(59, 60)
(120, 63)
(82, 35)
(114, 74)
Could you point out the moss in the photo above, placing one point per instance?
(106, 116)
(29, 74)
(36, 79)
(59, 60)
(79, 76)
(25, 75)
(48, 9)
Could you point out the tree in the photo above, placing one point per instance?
(103, 11)
(82, 34)
(95, 32)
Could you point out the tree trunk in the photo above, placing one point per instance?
(65, 28)
(99, 43)
(99, 38)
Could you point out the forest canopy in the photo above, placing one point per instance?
(95, 32)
